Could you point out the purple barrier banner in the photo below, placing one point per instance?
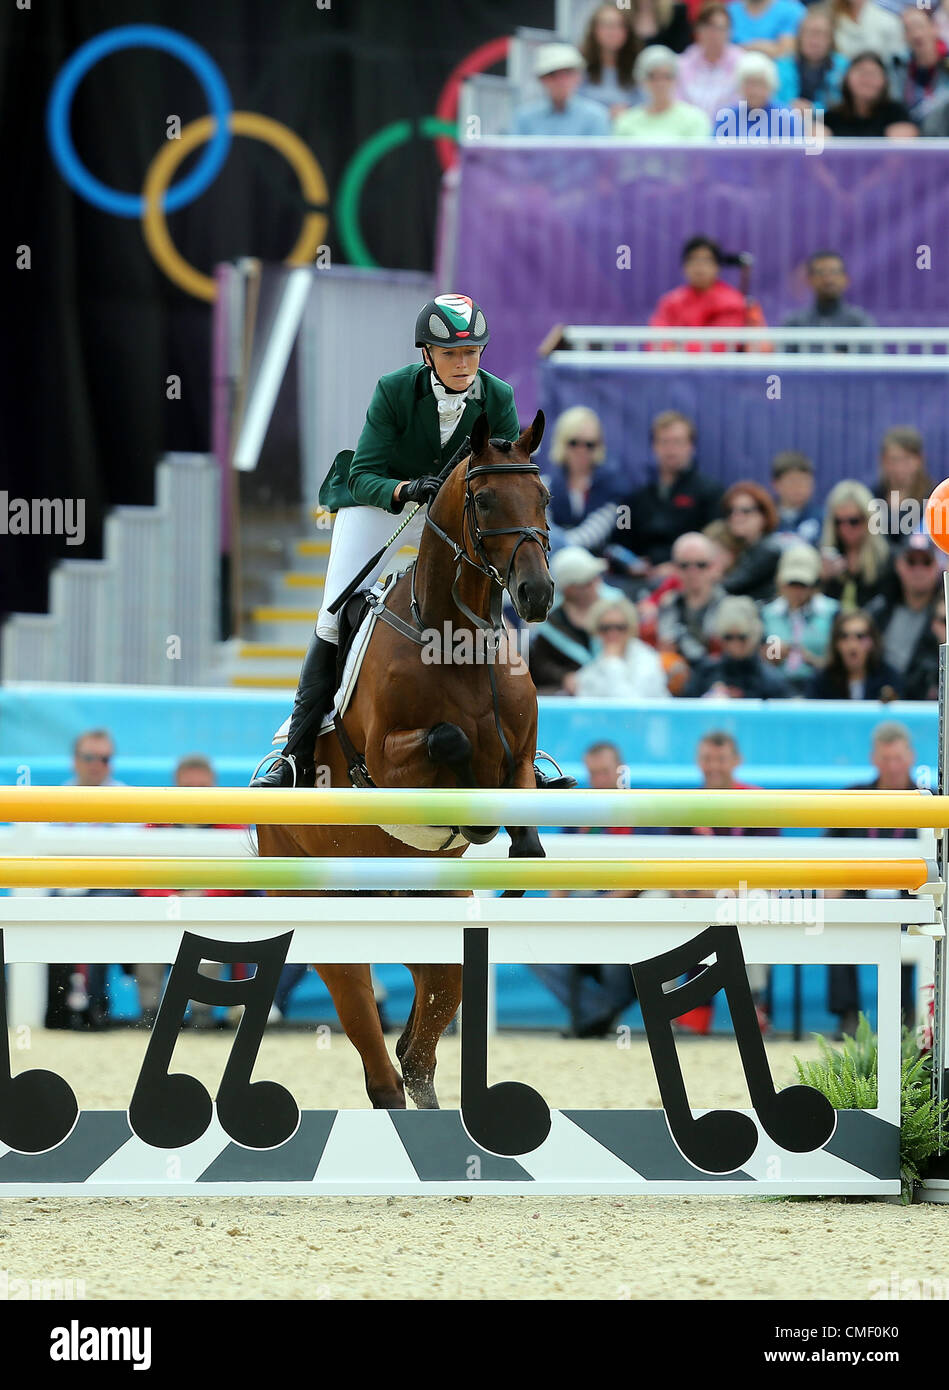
(837, 418)
(543, 232)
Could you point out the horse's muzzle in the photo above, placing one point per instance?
(533, 598)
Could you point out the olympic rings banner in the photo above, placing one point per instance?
(213, 135)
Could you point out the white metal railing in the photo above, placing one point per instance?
(921, 341)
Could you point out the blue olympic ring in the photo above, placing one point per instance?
(60, 104)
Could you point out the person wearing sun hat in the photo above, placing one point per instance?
(798, 623)
(561, 645)
(561, 111)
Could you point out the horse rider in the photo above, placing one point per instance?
(418, 418)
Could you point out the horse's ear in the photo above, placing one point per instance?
(530, 439)
(479, 434)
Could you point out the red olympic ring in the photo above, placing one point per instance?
(446, 108)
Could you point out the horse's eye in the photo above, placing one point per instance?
(482, 501)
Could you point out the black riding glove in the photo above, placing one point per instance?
(421, 490)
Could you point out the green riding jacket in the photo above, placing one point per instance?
(401, 439)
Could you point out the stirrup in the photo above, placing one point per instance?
(273, 759)
(561, 782)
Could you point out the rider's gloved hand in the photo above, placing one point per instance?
(421, 490)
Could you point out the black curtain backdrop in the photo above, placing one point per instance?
(95, 328)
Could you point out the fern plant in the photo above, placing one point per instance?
(847, 1076)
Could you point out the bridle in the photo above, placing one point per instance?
(481, 562)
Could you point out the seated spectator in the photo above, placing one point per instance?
(704, 301)
(936, 121)
(584, 488)
(799, 518)
(606, 771)
(894, 759)
(861, 26)
(678, 498)
(751, 517)
(661, 117)
(609, 48)
(561, 111)
(740, 673)
(811, 75)
(920, 77)
(797, 624)
(855, 668)
(707, 68)
(766, 26)
(661, 22)
(827, 277)
(756, 115)
(687, 614)
(856, 561)
(865, 106)
(904, 482)
(562, 644)
(624, 668)
(904, 613)
(921, 682)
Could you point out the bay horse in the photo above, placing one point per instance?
(418, 724)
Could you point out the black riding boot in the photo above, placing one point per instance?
(545, 783)
(314, 696)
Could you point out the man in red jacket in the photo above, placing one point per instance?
(704, 301)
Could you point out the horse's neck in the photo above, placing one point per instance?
(434, 580)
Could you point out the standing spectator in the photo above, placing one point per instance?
(811, 75)
(920, 77)
(856, 561)
(922, 679)
(704, 301)
(855, 669)
(623, 668)
(561, 645)
(827, 277)
(609, 48)
(894, 759)
(861, 26)
(766, 26)
(561, 111)
(662, 22)
(904, 482)
(584, 487)
(660, 117)
(76, 994)
(797, 624)
(799, 517)
(687, 614)
(751, 518)
(740, 673)
(866, 107)
(708, 67)
(678, 498)
(904, 614)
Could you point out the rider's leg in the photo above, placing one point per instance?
(358, 532)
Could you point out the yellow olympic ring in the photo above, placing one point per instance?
(162, 170)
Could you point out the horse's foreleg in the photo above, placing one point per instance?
(437, 996)
(351, 989)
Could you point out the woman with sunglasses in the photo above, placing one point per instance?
(624, 668)
(798, 622)
(855, 669)
(856, 563)
(750, 519)
(584, 487)
(739, 672)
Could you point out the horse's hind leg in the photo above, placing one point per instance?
(437, 996)
(351, 988)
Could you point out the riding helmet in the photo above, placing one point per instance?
(451, 320)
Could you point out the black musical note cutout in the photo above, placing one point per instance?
(171, 1109)
(798, 1118)
(38, 1109)
(507, 1118)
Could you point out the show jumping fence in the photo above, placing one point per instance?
(504, 1139)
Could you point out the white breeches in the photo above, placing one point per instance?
(358, 532)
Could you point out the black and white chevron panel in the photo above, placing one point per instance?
(413, 1152)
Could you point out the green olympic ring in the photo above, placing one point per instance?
(356, 171)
